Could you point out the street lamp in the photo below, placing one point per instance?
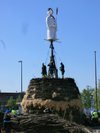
(96, 80)
(21, 75)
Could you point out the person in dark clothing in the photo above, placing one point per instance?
(50, 73)
(62, 69)
(6, 121)
(44, 71)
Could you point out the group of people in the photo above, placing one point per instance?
(52, 70)
(8, 114)
(91, 119)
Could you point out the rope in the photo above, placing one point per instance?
(58, 56)
(47, 57)
(55, 54)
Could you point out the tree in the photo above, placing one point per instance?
(87, 97)
(18, 99)
(98, 94)
(11, 102)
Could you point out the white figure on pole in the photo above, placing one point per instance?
(51, 26)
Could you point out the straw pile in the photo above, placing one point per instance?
(59, 95)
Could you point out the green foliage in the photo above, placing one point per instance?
(89, 94)
(18, 99)
(98, 94)
(86, 97)
(11, 102)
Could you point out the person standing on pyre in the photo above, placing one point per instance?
(62, 69)
(44, 71)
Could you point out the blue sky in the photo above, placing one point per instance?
(22, 34)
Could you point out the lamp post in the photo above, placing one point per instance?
(96, 81)
(21, 75)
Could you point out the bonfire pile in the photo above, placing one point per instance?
(46, 123)
(59, 95)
